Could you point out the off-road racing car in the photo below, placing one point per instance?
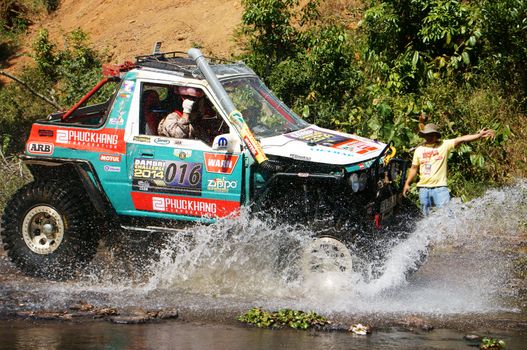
(101, 162)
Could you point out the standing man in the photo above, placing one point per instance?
(430, 160)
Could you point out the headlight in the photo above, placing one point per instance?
(358, 182)
(363, 181)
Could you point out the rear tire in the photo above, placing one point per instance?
(47, 229)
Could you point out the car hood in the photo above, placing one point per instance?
(319, 145)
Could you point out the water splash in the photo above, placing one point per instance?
(249, 261)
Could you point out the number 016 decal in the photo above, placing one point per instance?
(167, 176)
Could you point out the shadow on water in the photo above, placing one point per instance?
(476, 258)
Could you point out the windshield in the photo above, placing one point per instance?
(265, 114)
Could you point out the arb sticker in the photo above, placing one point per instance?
(40, 148)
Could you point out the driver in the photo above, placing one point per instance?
(178, 123)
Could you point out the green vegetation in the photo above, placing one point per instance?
(62, 73)
(375, 70)
(492, 344)
(370, 67)
(283, 318)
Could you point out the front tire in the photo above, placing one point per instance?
(47, 229)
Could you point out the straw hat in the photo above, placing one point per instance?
(430, 129)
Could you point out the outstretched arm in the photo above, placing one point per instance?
(411, 174)
(484, 133)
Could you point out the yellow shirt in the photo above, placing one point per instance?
(432, 164)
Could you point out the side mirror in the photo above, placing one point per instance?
(227, 142)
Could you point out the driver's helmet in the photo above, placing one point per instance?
(189, 92)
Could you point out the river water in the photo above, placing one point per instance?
(473, 280)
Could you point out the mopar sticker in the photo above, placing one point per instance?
(167, 176)
(40, 148)
(223, 142)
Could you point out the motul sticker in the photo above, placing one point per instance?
(220, 163)
(184, 205)
(110, 158)
(251, 146)
(40, 148)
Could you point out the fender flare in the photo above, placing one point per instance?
(83, 169)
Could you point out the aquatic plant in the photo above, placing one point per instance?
(295, 319)
(492, 344)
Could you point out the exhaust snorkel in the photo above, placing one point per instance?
(234, 116)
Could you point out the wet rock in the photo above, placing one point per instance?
(360, 329)
(130, 319)
(414, 322)
(106, 311)
(132, 316)
(42, 315)
(167, 314)
(82, 306)
(472, 337)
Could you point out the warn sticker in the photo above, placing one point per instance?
(40, 148)
(220, 163)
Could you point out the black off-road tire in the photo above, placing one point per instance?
(47, 229)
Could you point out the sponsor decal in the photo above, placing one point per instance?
(112, 169)
(252, 147)
(333, 151)
(40, 148)
(86, 137)
(143, 185)
(128, 86)
(221, 185)
(145, 139)
(81, 139)
(167, 176)
(220, 163)
(199, 207)
(223, 142)
(299, 157)
(182, 153)
(113, 158)
(327, 139)
(116, 121)
(356, 146)
(317, 137)
(161, 141)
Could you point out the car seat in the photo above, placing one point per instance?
(150, 101)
